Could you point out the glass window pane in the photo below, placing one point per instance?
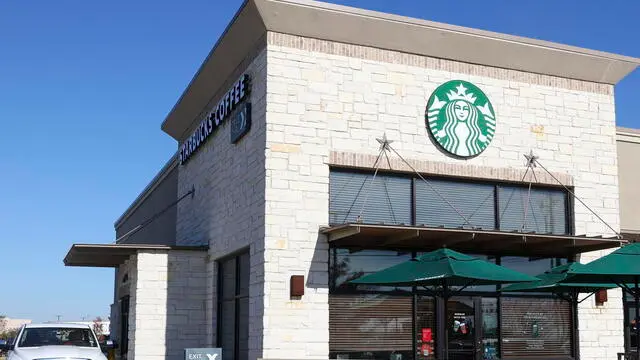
(385, 200)
(372, 326)
(531, 266)
(244, 269)
(628, 297)
(426, 328)
(243, 328)
(228, 268)
(439, 201)
(545, 210)
(535, 327)
(490, 340)
(461, 326)
(348, 266)
(228, 330)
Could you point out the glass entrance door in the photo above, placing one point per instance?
(461, 328)
(472, 328)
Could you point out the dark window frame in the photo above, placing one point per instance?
(124, 310)
(237, 297)
(628, 305)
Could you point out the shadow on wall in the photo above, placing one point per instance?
(186, 325)
(318, 276)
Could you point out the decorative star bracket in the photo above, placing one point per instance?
(384, 143)
(531, 159)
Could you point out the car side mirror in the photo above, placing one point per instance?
(6, 347)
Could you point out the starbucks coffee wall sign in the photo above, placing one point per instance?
(460, 118)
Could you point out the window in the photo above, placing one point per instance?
(347, 265)
(396, 199)
(124, 327)
(385, 199)
(369, 326)
(54, 336)
(546, 211)
(375, 321)
(630, 324)
(473, 200)
(536, 327)
(233, 307)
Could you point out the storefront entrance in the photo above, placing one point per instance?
(472, 332)
(462, 333)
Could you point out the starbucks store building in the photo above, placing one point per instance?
(319, 143)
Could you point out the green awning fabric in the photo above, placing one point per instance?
(621, 266)
(444, 267)
(551, 281)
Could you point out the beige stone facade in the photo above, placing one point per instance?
(323, 100)
(167, 293)
(320, 101)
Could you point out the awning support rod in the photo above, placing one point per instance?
(386, 145)
(576, 197)
(155, 216)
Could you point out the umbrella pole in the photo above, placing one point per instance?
(576, 334)
(414, 321)
(445, 296)
(636, 294)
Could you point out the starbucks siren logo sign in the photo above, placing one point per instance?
(460, 118)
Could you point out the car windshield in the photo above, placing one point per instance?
(47, 336)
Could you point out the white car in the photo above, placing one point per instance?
(56, 341)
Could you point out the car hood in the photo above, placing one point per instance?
(67, 352)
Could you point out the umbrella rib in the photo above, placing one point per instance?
(470, 283)
(624, 286)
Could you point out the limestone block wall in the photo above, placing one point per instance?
(168, 305)
(227, 211)
(325, 97)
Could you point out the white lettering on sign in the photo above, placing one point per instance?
(215, 117)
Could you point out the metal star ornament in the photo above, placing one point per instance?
(384, 143)
(531, 159)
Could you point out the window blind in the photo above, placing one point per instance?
(535, 327)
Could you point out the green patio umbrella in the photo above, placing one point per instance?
(443, 269)
(621, 267)
(551, 281)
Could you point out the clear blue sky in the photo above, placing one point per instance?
(84, 86)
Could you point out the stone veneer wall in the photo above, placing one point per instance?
(121, 289)
(227, 211)
(324, 97)
(167, 312)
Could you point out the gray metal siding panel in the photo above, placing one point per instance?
(388, 198)
(162, 230)
(546, 212)
(473, 200)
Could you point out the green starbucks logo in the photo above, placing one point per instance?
(460, 118)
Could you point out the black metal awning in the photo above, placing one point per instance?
(479, 241)
(113, 255)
